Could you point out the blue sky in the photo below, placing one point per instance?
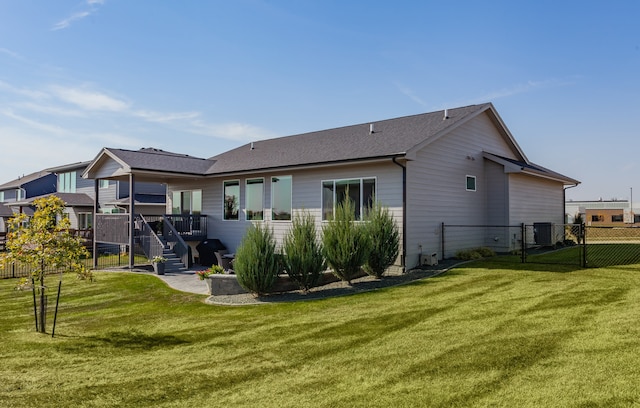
(201, 77)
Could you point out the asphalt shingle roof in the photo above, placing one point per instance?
(159, 160)
(392, 137)
(20, 181)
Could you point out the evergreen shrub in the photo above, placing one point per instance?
(303, 258)
(346, 245)
(383, 232)
(256, 263)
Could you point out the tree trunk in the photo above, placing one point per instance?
(43, 305)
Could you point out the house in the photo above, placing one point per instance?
(25, 187)
(66, 182)
(457, 166)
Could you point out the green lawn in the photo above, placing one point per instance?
(481, 335)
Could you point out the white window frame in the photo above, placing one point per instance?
(180, 193)
(475, 183)
(67, 182)
(224, 188)
(290, 177)
(251, 181)
(103, 183)
(334, 199)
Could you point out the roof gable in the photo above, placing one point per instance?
(113, 163)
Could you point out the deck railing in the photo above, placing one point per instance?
(175, 242)
(149, 241)
(189, 226)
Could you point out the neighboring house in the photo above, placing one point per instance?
(25, 187)
(79, 195)
(603, 213)
(458, 166)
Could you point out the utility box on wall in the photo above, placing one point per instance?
(429, 260)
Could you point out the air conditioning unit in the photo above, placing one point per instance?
(429, 260)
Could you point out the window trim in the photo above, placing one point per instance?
(191, 201)
(103, 183)
(290, 177)
(67, 182)
(475, 183)
(334, 199)
(224, 213)
(261, 180)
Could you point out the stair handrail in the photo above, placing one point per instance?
(151, 244)
(175, 241)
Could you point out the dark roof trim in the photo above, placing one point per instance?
(310, 165)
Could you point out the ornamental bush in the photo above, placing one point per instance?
(256, 262)
(345, 242)
(383, 232)
(303, 258)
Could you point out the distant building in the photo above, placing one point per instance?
(602, 213)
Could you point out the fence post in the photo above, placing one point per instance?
(523, 249)
(441, 239)
(583, 234)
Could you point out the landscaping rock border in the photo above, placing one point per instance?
(339, 288)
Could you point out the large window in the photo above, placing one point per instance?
(85, 220)
(187, 202)
(360, 191)
(254, 199)
(231, 199)
(281, 198)
(67, 182)
(617, 218)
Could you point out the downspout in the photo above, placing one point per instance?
(403, 256)
(564, 201)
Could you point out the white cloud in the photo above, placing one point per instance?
(10, 53)
(49, 109)
(231, 131)
(56, 130)
(411, 94)
(159, 117)
(519, 89)
(89, 100)
(67, 21)
(37, 95)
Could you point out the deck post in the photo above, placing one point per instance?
(132, 212)
(95, 219)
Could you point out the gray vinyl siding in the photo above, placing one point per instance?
(107, 169)
(534, 200)
(437, 191)
(306, 196)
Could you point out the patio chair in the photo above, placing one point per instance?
(225, 262)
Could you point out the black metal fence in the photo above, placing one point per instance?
(571, 244)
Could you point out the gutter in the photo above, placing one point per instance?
(403, 256)
(564, 199)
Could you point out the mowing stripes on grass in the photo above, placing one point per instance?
(481, 335)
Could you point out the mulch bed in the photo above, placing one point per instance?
(333, 289)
